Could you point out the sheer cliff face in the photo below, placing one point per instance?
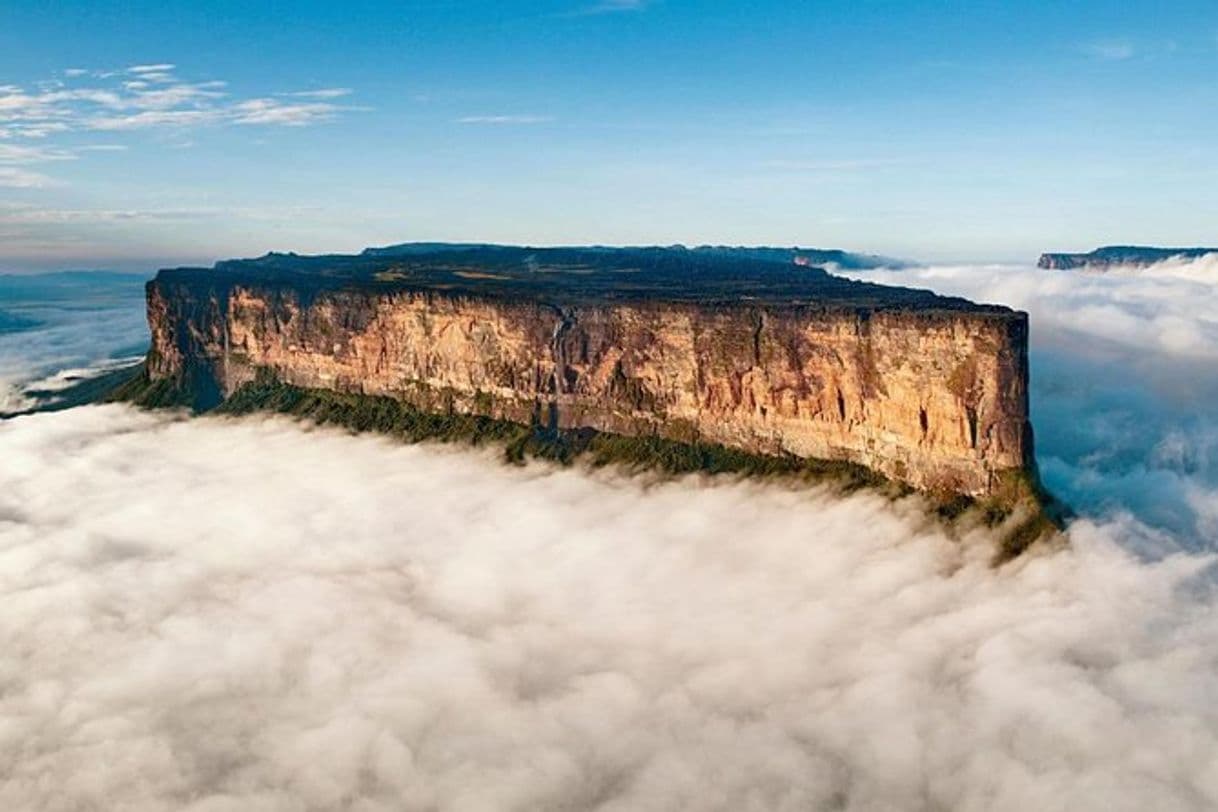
(933, 398)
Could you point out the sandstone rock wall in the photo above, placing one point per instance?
(937, 399)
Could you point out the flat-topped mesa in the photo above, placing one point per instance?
(846, 260)
(768, 358)
(1110, 256)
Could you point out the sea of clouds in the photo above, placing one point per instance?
(1124, 387)
(69, 329)
(214, 614)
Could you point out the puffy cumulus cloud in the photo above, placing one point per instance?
(215, 615)
(1124, 396)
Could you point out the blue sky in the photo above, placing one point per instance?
(134, 134)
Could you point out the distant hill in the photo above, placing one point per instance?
(787, 256)
(1136, 256)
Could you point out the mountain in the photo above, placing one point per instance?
(1134, 256)
(668, 350)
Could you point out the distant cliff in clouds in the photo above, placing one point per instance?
(1134, 256)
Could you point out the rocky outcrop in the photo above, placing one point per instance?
(1131, 256)
(926, 390)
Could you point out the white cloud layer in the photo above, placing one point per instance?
(1124, 396)
(1169, 308)
(514, 119)
(82, 328)
(215, 615)
(210, 616)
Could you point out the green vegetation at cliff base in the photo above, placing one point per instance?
(140, 389)
(396, 418)
(1021, 506)
(78, 392)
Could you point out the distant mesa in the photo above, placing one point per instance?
(1110, 256)
(811, 257)
(737, 347)
(710, 359)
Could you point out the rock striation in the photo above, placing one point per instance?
(1131, 256)
(770, 358)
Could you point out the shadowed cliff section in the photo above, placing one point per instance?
(665, 349)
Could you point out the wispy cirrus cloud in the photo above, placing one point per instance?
(148, 96)
(12, 177)
(26, 215)
(1125, 49)
(616, 6)
(140, 97)
(272, 111)
(513, 119)
(27, 154)
(17, 214)
(322, 93)
(153, 118)
(14, 158)
(161, 67)
(1110, 50)
(846, 165)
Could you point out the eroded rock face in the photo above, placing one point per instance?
(934, 398)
